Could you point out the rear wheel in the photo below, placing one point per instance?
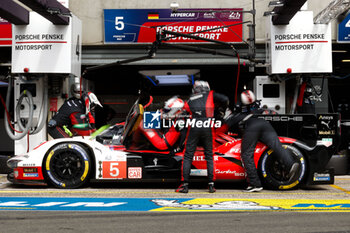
(274, 174)
(67, 165)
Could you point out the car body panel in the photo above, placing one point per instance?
(116, 163)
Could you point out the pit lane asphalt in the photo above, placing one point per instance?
(246, 221)
(339, 190)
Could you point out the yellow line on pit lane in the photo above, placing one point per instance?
(286, 210)
(254, 204)
(340, 188)
(165, 192)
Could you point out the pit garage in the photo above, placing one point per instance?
(117, 72)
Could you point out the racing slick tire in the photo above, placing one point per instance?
(67, 166)
(273, 173)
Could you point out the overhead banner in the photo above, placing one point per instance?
(294, 48)
(141, 25)
(5, 33)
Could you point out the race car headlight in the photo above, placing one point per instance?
(13, 163)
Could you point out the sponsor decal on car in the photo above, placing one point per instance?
(30, 175)
(30, 170)
(282, 118)
(218, 171)
(322, 176)
(325, 117)
(199, 172)
(202, 158)
(134, 172)
(326, 132)
(236, 150)
(327, 142)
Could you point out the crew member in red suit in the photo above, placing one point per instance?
(74, 111)
(201, 108)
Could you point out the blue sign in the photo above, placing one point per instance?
(151, 120)
(344, 30)
(141, 25)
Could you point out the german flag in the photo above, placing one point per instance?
(153, 15)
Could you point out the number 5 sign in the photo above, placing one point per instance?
(114, 169)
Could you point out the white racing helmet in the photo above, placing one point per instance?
(173, 106)
(91, 100)
(200, 86)
(247, 97)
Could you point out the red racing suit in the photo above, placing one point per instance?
(158, 139)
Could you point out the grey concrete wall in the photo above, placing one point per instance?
(91, 13)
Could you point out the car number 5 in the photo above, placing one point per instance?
(114, 170)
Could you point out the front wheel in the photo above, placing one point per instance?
(274, 174)
(67, 165)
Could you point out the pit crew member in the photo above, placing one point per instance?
(74, 111)
(201, 107)
(254, 130)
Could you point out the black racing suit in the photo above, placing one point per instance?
(254, 130)
(71, 112)
(201, 108)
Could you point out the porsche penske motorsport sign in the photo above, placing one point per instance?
(43, 47)
(299, 47)
(141, 25)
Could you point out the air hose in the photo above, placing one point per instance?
(26, 129)
(43, 119)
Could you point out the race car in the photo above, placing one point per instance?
(72, 162)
